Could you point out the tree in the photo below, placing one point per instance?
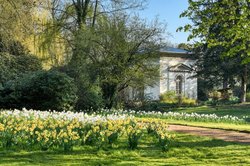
(121, 53)
(222, 23)
(67, 18)
(97, 45)
(214, 71)
(15, 18)
(103, 47)
(185, 46)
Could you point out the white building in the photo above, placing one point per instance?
(176, 71)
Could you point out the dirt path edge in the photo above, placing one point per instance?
(226, 135)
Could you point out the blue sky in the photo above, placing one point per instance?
(168, 11)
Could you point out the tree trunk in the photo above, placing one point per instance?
(109, 93)
(225, 82)
(225, 94)
(95, 13)
(244, 85)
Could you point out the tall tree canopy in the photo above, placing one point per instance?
(102, 44)
(67, 18)
(109, 47)
(224, 25)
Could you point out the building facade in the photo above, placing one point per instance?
(176, 74)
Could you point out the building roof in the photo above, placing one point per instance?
(173, 50)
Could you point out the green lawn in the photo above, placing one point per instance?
(238, 110)
(213, 125)
(185, 150)
(225, 126)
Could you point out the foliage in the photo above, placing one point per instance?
(230, 28)
(222, 28)
(12, 47)
(157, 129)
(152, 105)
(89, 98)
(105, 46)
(118, 54)
(185, 46)
(232, 100)
(219, 98)
(171, 98)
(7, 67)
(41, 90)
(168, 100)
(12, 66)
(15, 60)
(88, 92)
(248, 97)
(17, 20)
(168, 97)
(134, 132)
(214, 71)
(215, 96)
(29, 128)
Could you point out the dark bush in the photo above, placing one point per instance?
(41, 90)
(89, 94)
(12, 66)
(8, 69)
(89, 98)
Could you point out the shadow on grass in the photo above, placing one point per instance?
(116, 156)
(208, 143)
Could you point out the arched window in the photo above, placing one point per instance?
(179, 82)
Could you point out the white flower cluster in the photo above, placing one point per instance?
(119, 114)
(81, 116)
(180, 116)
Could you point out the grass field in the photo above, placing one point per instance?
(239, 110)
(185, 150)
(225, 126)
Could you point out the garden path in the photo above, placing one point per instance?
(226, 135)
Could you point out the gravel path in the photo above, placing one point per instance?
(232, 136)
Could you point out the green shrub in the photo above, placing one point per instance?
(89, 98)
(134, 133)
(7, 67)
(248, 97)
(40, 90)
(230, 101)
(171, 98)
(12, 66)
(188, 102)
(88, 92)
(215, 95)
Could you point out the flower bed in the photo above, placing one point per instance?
(179, 116)
(29, 129)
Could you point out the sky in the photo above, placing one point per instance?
(168, 12)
